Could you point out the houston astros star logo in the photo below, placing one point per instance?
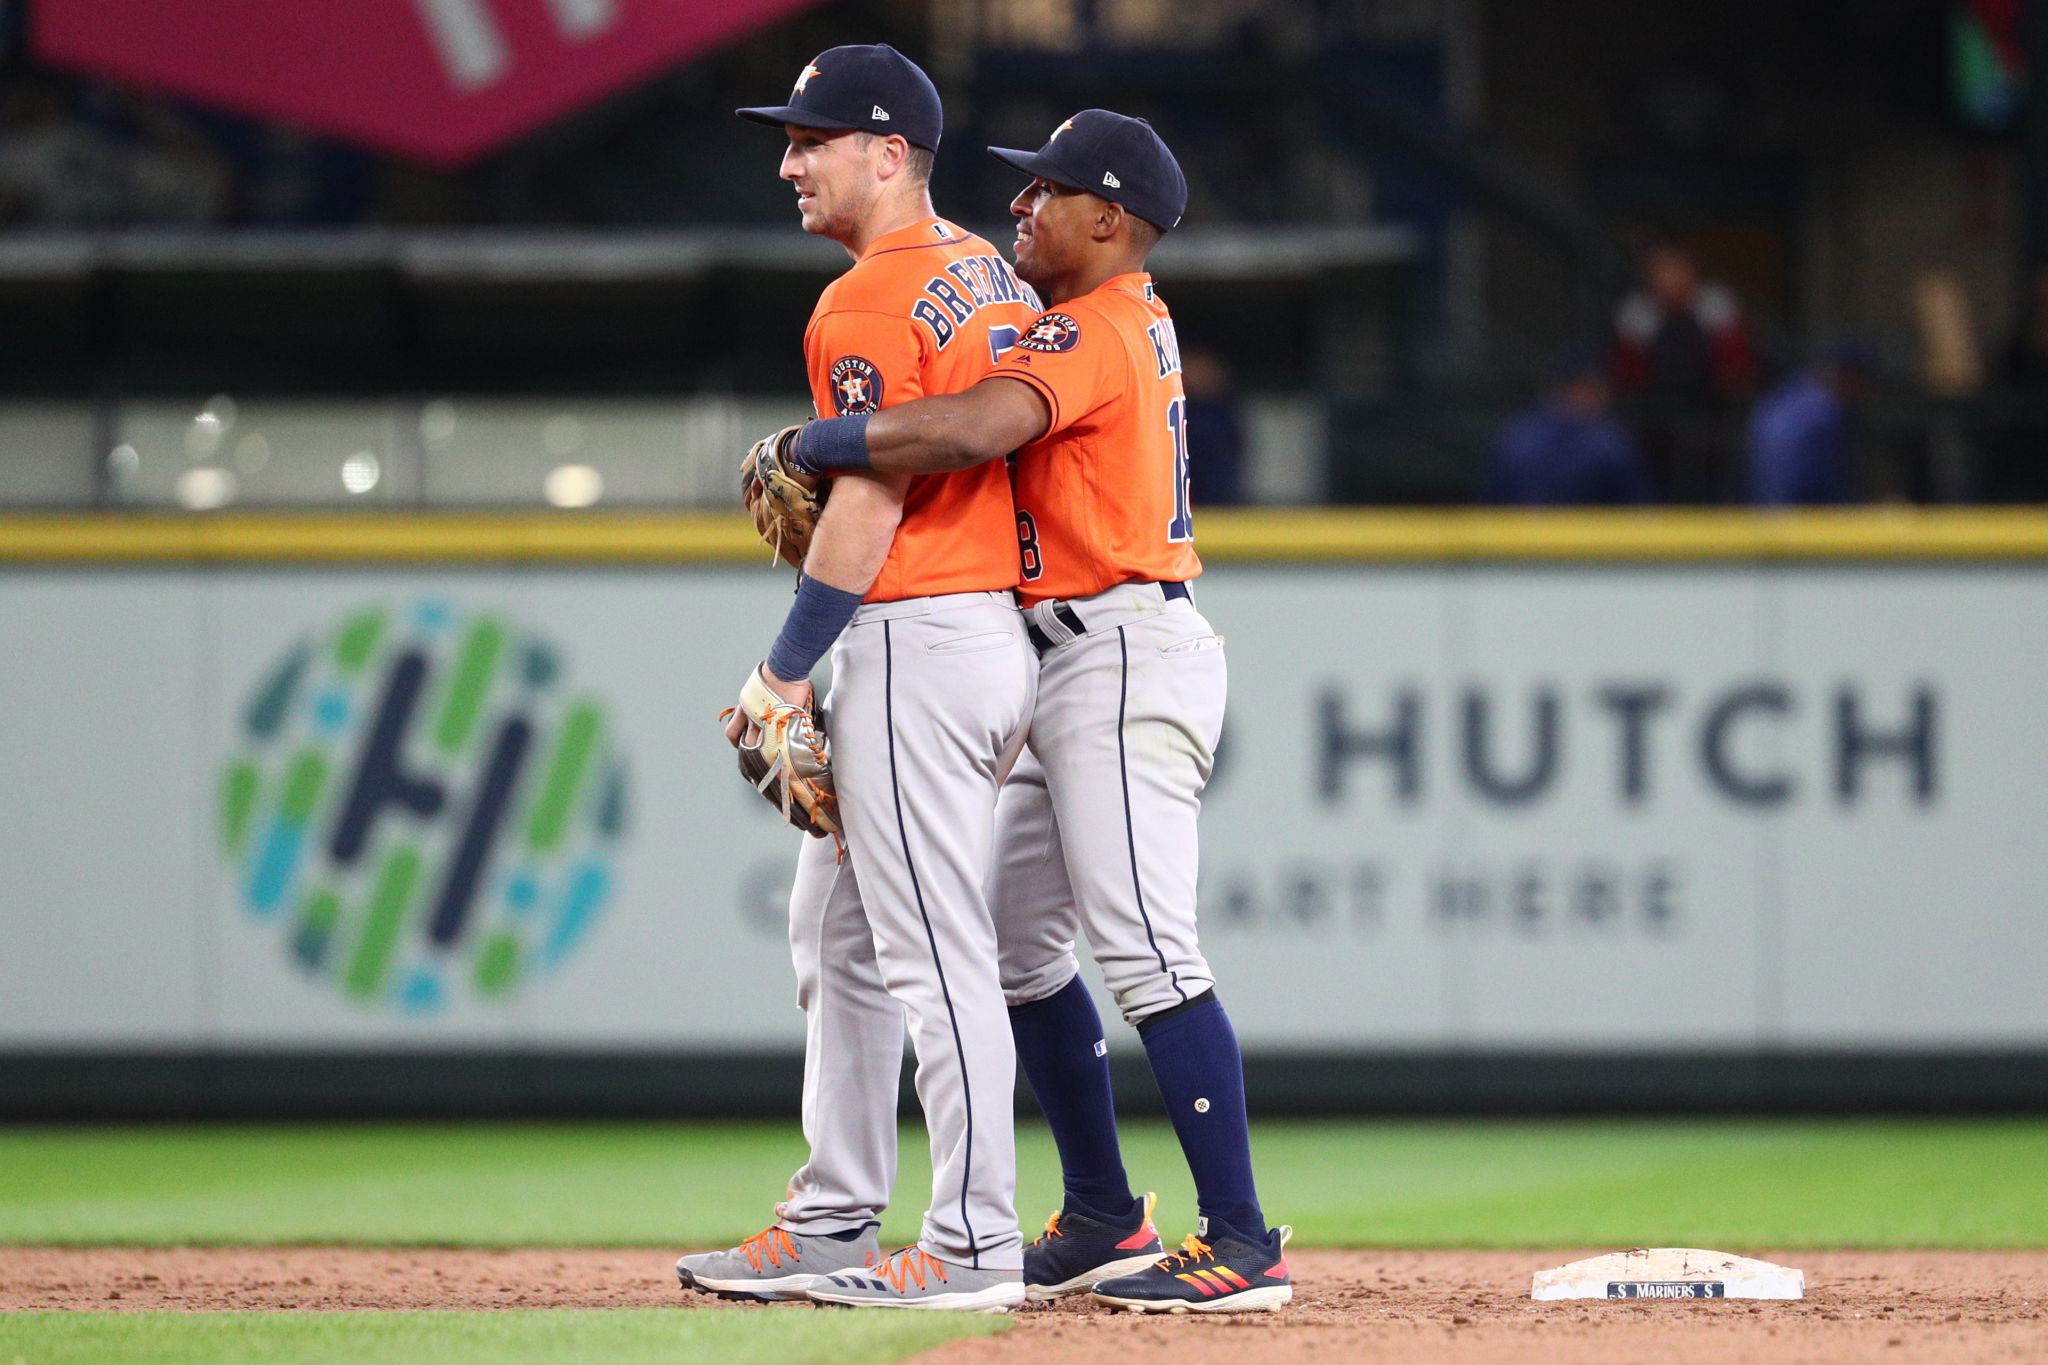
(1055, 132)
(805, 78)
(1051, 333)
(856, 385)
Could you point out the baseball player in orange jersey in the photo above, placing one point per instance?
(909, 582)
(1130, 704)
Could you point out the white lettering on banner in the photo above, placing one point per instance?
(473, 48)
(584, 19)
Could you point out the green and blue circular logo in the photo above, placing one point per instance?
(424, 806)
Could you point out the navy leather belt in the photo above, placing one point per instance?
(1072, 621)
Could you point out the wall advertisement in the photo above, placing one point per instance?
(1610, 808)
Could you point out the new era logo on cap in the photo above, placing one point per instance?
(880, 115)
(1113, 155)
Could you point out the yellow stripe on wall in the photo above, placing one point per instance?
(1342, 536)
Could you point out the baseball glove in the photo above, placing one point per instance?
(785, 756)
(783, 500)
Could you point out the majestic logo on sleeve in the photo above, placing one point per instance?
(1052, 333)
(856, 386)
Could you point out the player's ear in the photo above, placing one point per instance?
(1109, 219)
(895, 152)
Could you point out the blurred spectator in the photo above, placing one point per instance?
(109, 159)
(1568, 452)
(1682, 356)
(1215, 431)
(1799, 433)
(2019, 470)
(51, 165)
(1951, 365)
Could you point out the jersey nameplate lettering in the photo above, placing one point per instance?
(967, 286)
(1165, 346)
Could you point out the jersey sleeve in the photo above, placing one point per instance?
(1073, 358)
(863, 361)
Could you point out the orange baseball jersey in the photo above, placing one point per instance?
(1102, 497)
(925, 310)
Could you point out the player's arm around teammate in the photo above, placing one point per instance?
(1130, 706)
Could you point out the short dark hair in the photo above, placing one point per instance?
(917, 161)
(1144, 235)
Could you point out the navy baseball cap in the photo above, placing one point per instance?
(1113, 155)
(873, 88)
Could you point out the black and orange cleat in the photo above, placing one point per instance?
(1229, 1273)
(1077, 1250)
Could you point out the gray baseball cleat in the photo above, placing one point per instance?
(914, 1278)
(776, 1263)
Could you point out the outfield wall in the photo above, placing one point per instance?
(1520, 813)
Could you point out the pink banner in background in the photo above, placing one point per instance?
(442, 81)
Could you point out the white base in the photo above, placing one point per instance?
(1669, 1273)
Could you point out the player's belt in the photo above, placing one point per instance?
(1069, 618)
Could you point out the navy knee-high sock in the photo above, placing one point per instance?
(1201, 1077)
(1060, 1049)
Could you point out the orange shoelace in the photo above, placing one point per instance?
(1192, 1250)
(1052, 1229)
(908, 1266)
(771, 1244)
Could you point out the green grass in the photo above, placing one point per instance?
(1778, 1185)
(619, 1337)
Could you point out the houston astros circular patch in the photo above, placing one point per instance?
(856, 385)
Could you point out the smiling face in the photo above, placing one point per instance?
(1054, 228)
(835, 177)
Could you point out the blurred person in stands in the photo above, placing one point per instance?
(1682, 357)
(1945, 453)
(102, 157)
(52, 166)
(1799, 435)
(1569, 451)
(1215, 431)
(2018, 470)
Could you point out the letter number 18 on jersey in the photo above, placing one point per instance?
(1182, 527)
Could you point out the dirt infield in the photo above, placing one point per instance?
(1413, 1306)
